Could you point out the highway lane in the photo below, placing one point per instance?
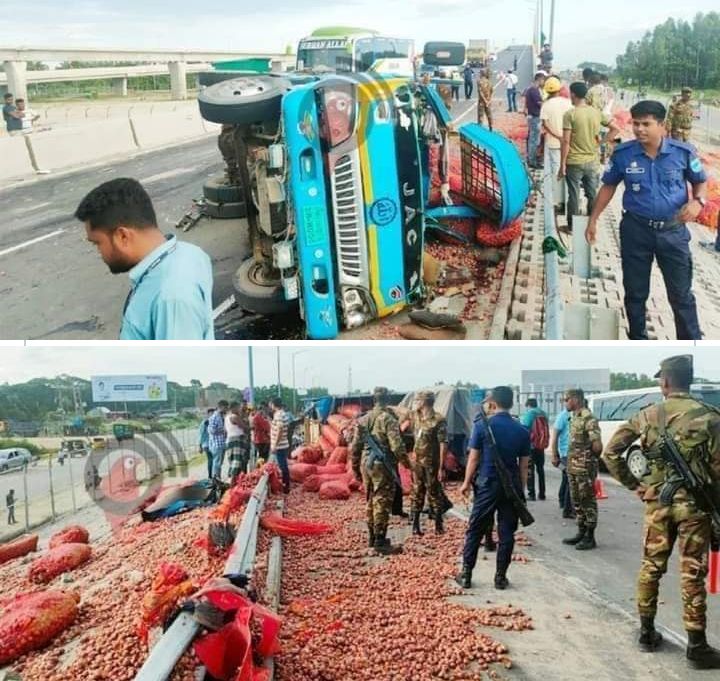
(53, 284)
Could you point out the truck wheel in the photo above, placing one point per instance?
(225, 211)
(254, 294)
(208, 78)
(219, 191)
(243, 101)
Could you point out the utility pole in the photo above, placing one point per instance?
(279, 385)
(251, 375)
(552, 24)
(350, 384)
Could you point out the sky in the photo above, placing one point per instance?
(585, 30)
(401, 367)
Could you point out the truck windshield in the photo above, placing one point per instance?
(369, 50)
(324, 55)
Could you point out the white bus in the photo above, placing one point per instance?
(614, 408)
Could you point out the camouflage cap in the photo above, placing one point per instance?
(574, 392)
(381, 393)
(425, 395)
(687, 90)
(678, 363)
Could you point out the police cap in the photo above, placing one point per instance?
(679, 364)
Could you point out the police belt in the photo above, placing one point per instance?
(657, 225)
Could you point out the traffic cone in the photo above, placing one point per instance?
(713, 585)
(600, 489)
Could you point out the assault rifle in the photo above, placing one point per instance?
(511, 493)
(378, 455)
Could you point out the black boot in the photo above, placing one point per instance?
(501, 580)
(464, 577)
(699, 654)
(439, 529)
(650, 639)
(571, 541)
(383, 545)
(588, 541)
(490, 545)
(416, 524)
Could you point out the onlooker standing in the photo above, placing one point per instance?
(469, 78)
(28, 117)
(261, 432)
(10, 504)
(536, 421)
(547, 57)
(596, 96)
(171, 295)
(13, 120)
(581, 150)
(510, 80)
(513, 449)
(533, 107)
(237, 426)
(279, 443)
(204, 440)
(552, 116)
(560, 442)
(656, 172)
(454, 76)
(218, 437)
(485, 95)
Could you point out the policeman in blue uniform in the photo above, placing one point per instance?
(656, 171)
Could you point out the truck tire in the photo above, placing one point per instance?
(225, 211)
(208, 78)
(255, 296)
(244, 101)
(219, 191)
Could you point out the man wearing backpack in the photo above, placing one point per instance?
(536, 421)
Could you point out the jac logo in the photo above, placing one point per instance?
(383, 212)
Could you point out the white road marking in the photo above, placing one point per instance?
(167, 174)
(224, 306)
(25, 244)
(465, 113)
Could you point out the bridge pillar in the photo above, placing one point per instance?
(120, 87)
(178, 80)
(276, 66)
(16, 78)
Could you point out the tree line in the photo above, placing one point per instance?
(674, 54)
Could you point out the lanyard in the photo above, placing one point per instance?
(150, 268)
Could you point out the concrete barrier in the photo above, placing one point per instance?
(16, 160)
(158, 130)
(87, 143)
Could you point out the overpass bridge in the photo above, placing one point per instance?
(178, 62)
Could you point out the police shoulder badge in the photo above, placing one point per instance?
(696, 165)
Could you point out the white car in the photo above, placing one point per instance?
(14, 458)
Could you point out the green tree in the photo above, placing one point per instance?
(629, 381)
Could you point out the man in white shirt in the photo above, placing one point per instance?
(510, 80)
(28, 116)
(237, 427)
(551, 115)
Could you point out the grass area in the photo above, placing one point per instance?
(34, 449)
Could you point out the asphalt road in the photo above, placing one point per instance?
(609, 573)
(58, 287)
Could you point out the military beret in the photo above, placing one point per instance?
(680, 363)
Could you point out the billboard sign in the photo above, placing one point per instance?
(129, 388)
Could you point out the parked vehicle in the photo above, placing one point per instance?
(73, 447)
(336, 168)
(123, 431)
(99, 442)
(14, 458)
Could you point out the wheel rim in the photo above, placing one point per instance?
(256, 274)
(637, 463)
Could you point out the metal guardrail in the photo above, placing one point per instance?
(554, 307)
(171, 647)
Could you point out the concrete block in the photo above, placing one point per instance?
(16, 160)
(88, 143)
(159, 130)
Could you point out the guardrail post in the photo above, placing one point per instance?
(72, 485)
(27, 501)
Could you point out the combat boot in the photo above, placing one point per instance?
(571, 541)
(464, 577)
(384, 547)
(501, 581)
(490, 545)
(699, 654)
(588, 541)
(439, 529)
(416, 530)
(650, 639)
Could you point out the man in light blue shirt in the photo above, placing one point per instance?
(560, 445)
(171, 294)
(204, 440)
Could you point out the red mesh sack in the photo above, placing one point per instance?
(350, 410)
(335, 490)
(451, 463)
(63, 558)
(332, 469)
(332, 436)
(312, 483)
(308, 454)
(19, 547)
(326, 446)
(300, 471)
(292, 527)
(30, 621)
(488, 234)
(339, 422)
(339, 456)
(74, 534)
(405, 479)
(171, 583)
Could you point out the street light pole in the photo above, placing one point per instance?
(294, 385)
(251, 374)
(552, 24)
(279, 384)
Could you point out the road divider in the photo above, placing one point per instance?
(160, 130)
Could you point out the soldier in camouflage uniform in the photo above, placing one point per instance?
(584, 449)
(680, 117)
(695, 428)
(430, 434)
(485, 95)
(378, 480)
(597, 94)
(226, 144)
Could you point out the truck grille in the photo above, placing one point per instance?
(349, 215)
